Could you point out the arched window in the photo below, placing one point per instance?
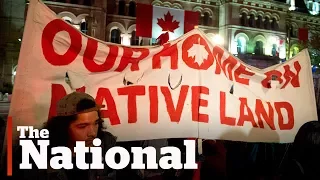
(267, 23)
(259, 22)
(134, 39)
(115, 36)
(251, 20)
(274, 24)
(132, 9)
(241, 45)
(258, 49)
(206, 18)
(243, 20)
(84, 27)
(121, 7)
(274, 50)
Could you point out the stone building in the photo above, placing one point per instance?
(12, 18)
(260, 33)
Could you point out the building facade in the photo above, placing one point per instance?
(261, 33)
(12, 18)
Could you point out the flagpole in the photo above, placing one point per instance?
(289, 31)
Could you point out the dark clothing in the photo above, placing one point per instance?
(214, 164)
(76, 173)
(128, 173)
(108, 141)
(295, 170)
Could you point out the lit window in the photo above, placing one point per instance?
(241, 45)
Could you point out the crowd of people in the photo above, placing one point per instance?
(79, 119)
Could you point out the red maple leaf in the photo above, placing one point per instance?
(167, 24)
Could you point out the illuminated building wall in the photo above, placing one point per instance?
(256, 31)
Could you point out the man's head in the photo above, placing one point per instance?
(78, 119)
(306, 145)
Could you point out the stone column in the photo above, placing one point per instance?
(125, 39)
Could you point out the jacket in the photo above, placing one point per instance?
(108, 141)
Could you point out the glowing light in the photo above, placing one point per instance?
(19, 40)
(125, 39)
(292, 8)
(217, 39)
(293, 5)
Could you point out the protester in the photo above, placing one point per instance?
(153, 174)
(2, 133)
(128, 172)
(214, 163)
(304, 156)
(78, 119)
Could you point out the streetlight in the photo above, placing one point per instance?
(292, 8)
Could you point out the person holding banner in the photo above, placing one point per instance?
(78, 119)
(304, 156)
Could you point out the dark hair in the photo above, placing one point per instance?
(58, 126)
(306, 146)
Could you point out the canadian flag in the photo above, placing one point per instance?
(154, 21)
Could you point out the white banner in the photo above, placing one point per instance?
(186, 88)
